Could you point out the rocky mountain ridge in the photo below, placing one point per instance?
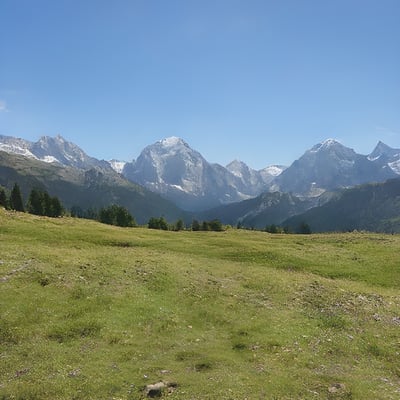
(51, 150)
(182, 175)
(172, 168)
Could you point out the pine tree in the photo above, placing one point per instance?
(195, 225)
(304, 228)
(179, 226)
(123, 217)
(163, 224)
(16, 202)
(56, 207)
(47, 204)
(3, 198)
(116, 215)
(35, 204)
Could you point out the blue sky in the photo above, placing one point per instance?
(260, 81)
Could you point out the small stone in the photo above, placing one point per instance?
(165, 371)
(336, 387)
(155, 390)
(376, 317)
(74, 373)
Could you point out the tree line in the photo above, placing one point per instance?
(179, 225)
(302, 228)
(39, 202)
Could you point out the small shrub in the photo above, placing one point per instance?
(7, 335)
(239, 346)
(44, 281)
(74, 331)
(203, 366)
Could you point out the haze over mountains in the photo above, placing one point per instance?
(180, 174)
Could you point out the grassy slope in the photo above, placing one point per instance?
(89, 311)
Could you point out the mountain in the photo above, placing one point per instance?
(327, 166)
(51, 150)
(266, 209)
(90, 188)
(372, 207)
(171, 168)
(179, 173)
(251, 181)
(385, 155)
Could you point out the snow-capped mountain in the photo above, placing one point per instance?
(385, 155)
(51, 150)
(14, 145)
(250, 178)
(179, 173)
(327, 166)
(171, 167)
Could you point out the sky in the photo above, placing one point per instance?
(260, 81)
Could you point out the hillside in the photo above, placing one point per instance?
(373, 207)
(93, 188)
(92, 311)
(266, 209)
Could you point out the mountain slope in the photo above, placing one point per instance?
(372, 207)
(327, 166)
(51, 150)
(266, 209)
(385, 155)
(93, 188)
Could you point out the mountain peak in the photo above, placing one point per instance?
(172, 141)
(380, 149)
(325, 145)
(386, 155)
(238, 168)
(236, 163)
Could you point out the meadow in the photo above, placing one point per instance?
(91, 311)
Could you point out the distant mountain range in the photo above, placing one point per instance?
(54, 150)
(371, 207)
(330, 166)
(85, 188)
(181, 175)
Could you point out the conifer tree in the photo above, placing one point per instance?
(3, 198)
(16, 202)
(35, 204)
(195, 225)
(56, 207)
(116, 215)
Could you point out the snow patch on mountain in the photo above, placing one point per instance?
(15, 149)
(273, 170)
(49, 159)
(395, 166)
(326, 144)
(172, 141)
(117, 165)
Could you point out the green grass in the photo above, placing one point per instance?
(89, 311)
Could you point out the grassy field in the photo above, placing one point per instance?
(89, 311)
